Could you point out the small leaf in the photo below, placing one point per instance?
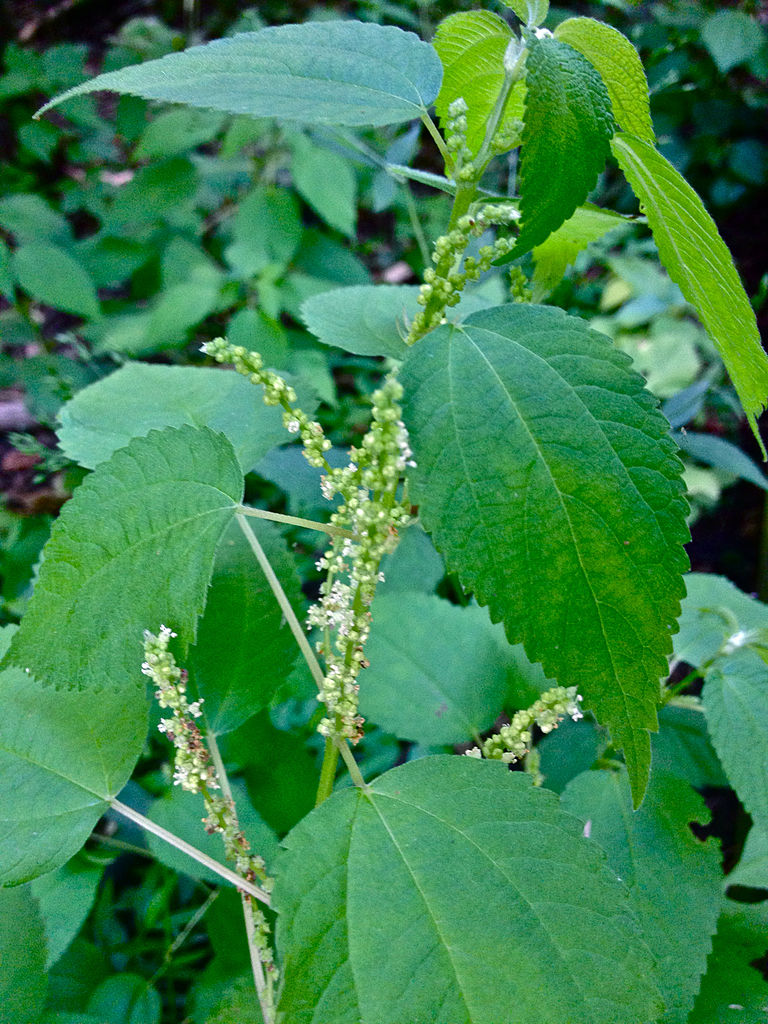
(23, 982)
(471, 45)
(369, 320)
(63, 757)
(698, 261)
(734, 988)
(682, 747)
(378, 900)
(547, 480)
(178, 131)
(752, 869)
(140, 397)
(65, 897)
(713, 610)
(736, 704)
(239, 672)
(531, 12)
(52, 276)
(716, 451)
(29, 218)
(313, 170)
(6, 272)
(554, 255)
(568, 125)
(421, 688)
(620, 67)
(675, 880)
(330, 72)
(732, 38)
(132, 550)
(126, 999)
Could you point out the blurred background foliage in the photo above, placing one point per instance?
(135, 231)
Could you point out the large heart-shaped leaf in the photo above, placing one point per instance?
(132, 550)
(546, 476)
(453, 890)
(329, 72)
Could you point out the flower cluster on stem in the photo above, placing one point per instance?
(512, 742)
(372, 511)
(195, 772)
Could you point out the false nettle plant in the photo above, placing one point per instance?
(449, 889)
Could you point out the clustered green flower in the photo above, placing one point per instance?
(194, 771)
(371, 510)
(373, 513)
(444, 282)
(512, 742)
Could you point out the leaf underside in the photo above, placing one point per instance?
(331, 72)
(374, 927)
(561, 506)
(132, 550)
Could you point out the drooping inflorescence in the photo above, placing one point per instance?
(512, 742)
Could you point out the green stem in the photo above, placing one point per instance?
(308, 524)
(431, 127)
(191, 851)
(512, 74)
(327, 772)
(418, 231)
(352, 766)
(282, 600)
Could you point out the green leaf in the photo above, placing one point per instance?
(713, 610)
(126, 999)
(413, 565)
(554, 255)
(266, 231)
(239, 672)
(620, 67)
(6, 272)
(674, 879)
(29, 218)
(65, 897)
(547, 480)
(421, 687)
(313, 170)
(471, 45)
(733, 988)
(682, 747)
(568, 125)
(63, 757)
(732, 38)
(369, 320)
(132, 550)
(698, 261)
(182, 813)
(178, 131)
(530, 12)
(330, 72)
(716, 451)
(416, 901)
(752, 869)
(568, 751)
(52, 276)
(736, 704)
(156, 192)
(23, 982)
(140, 397)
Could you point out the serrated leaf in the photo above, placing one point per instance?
(140, 397)
(313, 170)
(530, 12)
(63, 757)
(620, 67)
(546, 478)
(378, 897)
(23, 983)
(420, 688)
(674, 879)
(330, 72)
(733, 988)
(132, 550)
(238, 673)
(568, 125)
(736, 704)
(556, 253)
(50, 275)
(713, 610)
(471, 45)
(698, 261)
